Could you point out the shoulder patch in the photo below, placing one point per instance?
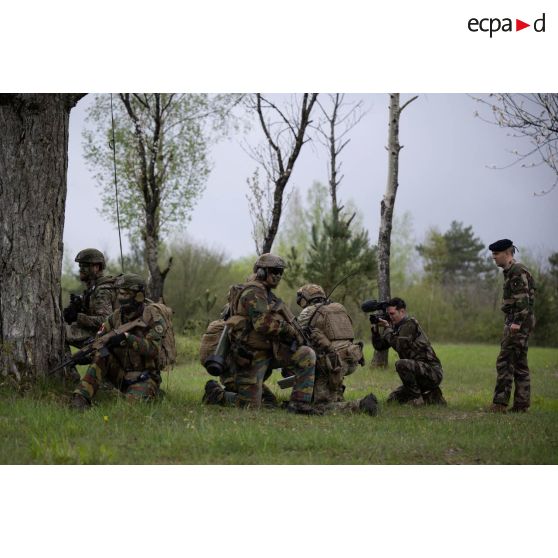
(159, 328)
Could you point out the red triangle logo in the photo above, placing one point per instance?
(519, 25)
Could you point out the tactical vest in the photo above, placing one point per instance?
(167, 353)
(106, 282)
(241, 330)
(334, 321)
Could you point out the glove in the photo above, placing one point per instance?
(288, 331)
(70, 315)
(319, 339)
(116, 341)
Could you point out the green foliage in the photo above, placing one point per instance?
(546, 301)
(324, 246)
(177, 131)
(337, 252)
(178, 429)
(454, 256)
(197, 287)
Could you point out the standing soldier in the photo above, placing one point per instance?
(518, 302)
(86, 313)
(262, 338)
(330, 329)
(418, 366)
(132, 359)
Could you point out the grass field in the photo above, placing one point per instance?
(39, 428)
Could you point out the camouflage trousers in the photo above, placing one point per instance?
(328, 386)
(511, 366)
(417, 378)
(135, 385)
(249, 376)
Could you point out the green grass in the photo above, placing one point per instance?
(39, 428)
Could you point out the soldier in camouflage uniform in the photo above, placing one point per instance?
(131, 364)
(225, 393)
(262, 339)
(99, 299)
(518, 302)
(418, 366)
(330, 329)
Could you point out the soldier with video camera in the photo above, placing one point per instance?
(418, 366)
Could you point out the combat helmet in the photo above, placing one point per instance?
(310, 292)
(269, 260)
(131, 282)
(91, 256)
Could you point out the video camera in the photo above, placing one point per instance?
(377, 310)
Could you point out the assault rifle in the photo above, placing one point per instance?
(291, 320)
(74, 308)
(99, 344)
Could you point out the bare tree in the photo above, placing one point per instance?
(285, 134)
(33, 169)
(339, 118)
(387, 206)
(533, 116)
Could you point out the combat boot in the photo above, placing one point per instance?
(301, 408)
(434, 397)
(399, 395)
(416, 402)
(519, 409)
(214, 394)
(79, 403)
(268, 398)
(369, 404)
(498, 408)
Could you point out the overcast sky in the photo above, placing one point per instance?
(444, 176)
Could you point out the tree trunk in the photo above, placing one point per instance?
(156, 280)
(33, 169)
(386, 210)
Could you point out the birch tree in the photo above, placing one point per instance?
(387, 206)
(33, 169)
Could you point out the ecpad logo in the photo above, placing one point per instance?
(492, 25)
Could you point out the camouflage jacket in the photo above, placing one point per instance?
(142, 347)
(408, 340)
(519, 294)
(262, 323)
(99, 301)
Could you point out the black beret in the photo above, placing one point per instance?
(501, 245)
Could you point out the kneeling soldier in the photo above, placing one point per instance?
(262, 338)
(130, 361)
(418, 366)
(330, 329)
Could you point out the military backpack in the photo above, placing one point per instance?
(167, 354)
